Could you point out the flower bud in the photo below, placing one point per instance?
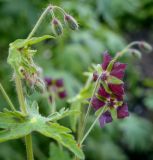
(71, 22)
(135, 53)
(57, 26)
(145, 46)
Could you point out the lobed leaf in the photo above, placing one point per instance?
(16, 125)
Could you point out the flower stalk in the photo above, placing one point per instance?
(88, 110)
(92, 126)
(21, 98)
(7, 98)
(39, 21)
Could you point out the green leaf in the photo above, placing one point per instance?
(62, 113)
(114, 80)
(16, 125)
(19, 43)
(74, 119)
(60, 134)
(57, 153)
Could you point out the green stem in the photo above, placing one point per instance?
(53, 106)
(121, 53)
(39, 21)
(20, 94)
(91, 127)
(7, 97)
(89, 108)
(28, 139)
(60, 9)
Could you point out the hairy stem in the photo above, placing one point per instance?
(21, 98)
(121, 53)
(29, 149)
(39, 21)
(28, 139)
(7, 98)
(60, 9)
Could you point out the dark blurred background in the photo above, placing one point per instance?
(104, 25)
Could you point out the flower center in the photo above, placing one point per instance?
(104, 76)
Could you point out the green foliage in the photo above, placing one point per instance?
(103, 25)
(20, 55)
(15, 125)
(57, 153)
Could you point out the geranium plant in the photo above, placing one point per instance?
(103, 91)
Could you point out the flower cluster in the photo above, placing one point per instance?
(110, 92)
(56, 87)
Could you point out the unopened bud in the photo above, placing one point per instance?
(145, 46)
(62, 94)
(135, 53)
(71, 22)
(57, 26)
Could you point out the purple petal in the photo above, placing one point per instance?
(102, 92)
(118, 70)
(122, 111)
(119, 65)
(59, 83)
(105, 118)
(96, 103)
(117, 89)
(106, 60)
(48, 81)
(62, 94)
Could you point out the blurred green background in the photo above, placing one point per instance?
(104, 25)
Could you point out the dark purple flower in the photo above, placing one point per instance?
(55, 86)
(117, 71)
(111, 101)
(59, 83)
(48, 81)
(111, 91)
(62, 94)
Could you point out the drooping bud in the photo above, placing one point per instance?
(145, 46)
(136, 53)
(71, 22)
(57, 26)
